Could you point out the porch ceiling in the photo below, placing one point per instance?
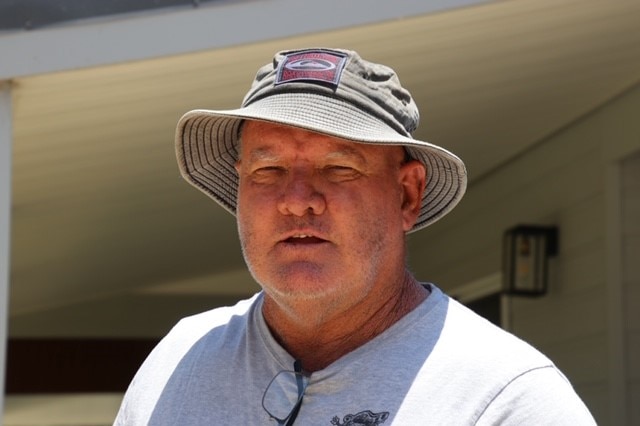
(104, 227)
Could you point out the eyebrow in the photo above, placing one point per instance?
(267, 154)
(262, 154)
(346, 152)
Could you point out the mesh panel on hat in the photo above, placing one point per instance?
(208, 146)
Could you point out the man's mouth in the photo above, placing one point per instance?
(304, 239)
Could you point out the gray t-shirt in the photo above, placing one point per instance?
(439, 365)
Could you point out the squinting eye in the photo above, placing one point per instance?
(341, 171)
(269, 170)
(267, 174)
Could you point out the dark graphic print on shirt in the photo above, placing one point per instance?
(364, 418)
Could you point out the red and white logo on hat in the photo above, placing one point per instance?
(311, 65)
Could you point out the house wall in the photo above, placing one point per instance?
(569, 180)
(630, 185)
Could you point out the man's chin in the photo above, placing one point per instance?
(302, 286)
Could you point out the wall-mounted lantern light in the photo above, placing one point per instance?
(526, 251)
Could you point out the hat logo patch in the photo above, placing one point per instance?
(311, 66)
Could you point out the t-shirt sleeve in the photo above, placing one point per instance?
(542, 396)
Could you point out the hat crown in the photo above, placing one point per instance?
(373, 88)
(329, 91)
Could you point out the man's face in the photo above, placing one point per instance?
(321, 216)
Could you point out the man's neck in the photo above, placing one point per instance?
(317, 340)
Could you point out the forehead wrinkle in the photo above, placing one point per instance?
(345, 152)
(262, 154)
(334, 152)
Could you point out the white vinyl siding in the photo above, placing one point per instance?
(562, 181)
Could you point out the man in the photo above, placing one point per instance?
(321, 171)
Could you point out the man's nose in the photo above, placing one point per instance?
(301, 195)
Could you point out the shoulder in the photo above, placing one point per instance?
(518, 383)
(467, 332)
(177, 351)
(192, 328)
(190, 332)
(468, 350)
(538, 396)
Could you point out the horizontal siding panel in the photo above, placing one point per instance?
(630, 176)
(631, 257)
(580, 271)
(633, 408)
(595, 396)
(582, 224)
(631, 212)
(468, 234)
(621, 126)
(479, 263)
(531, 187)
(633, 354)
(631, 297)
(552, 319)
(583, 361)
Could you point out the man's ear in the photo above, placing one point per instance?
(413, 178)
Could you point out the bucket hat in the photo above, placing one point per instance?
(329, 91)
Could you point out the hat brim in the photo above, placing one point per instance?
(207, 147)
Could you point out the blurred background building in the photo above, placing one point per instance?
(103, 247)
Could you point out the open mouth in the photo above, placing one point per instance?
(304, 239)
